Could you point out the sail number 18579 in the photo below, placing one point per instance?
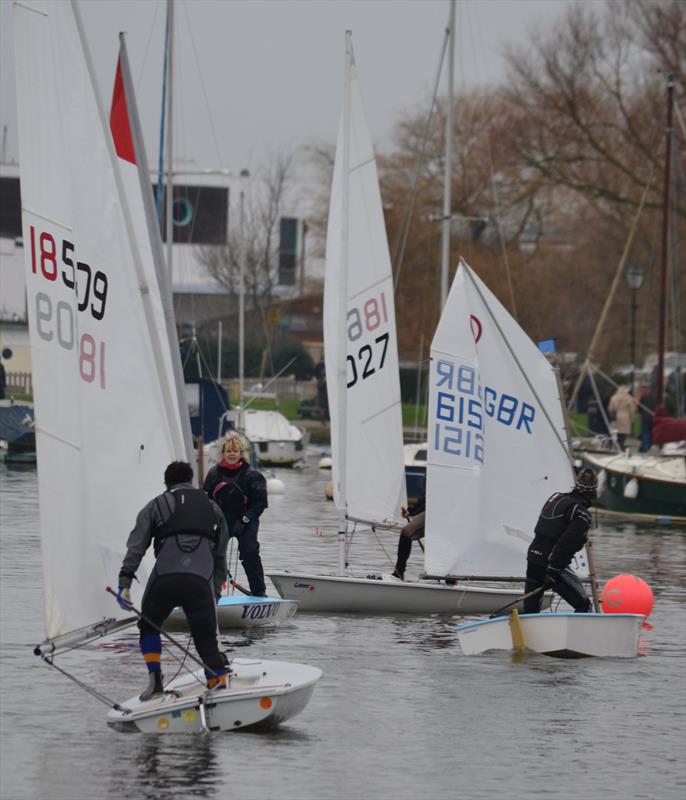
(53, 259)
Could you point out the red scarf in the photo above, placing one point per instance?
(232, 467)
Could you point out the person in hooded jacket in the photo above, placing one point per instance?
(190, 539)
(241, 493)
(561, 531)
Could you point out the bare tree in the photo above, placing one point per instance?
(254, 238)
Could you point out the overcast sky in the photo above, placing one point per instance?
(262, 75)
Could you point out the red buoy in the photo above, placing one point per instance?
(627, 594)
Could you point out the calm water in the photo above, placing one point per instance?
(399, 713)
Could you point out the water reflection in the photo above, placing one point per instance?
(179, 767)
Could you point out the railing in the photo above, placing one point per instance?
(283, 388)
(19, 383)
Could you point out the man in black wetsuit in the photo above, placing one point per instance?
(561, 531)
(189, 536)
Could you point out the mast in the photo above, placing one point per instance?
(447, 188)
(241, 302)
(169, 217)
(163, 278)
(341, 361)
(659, 393)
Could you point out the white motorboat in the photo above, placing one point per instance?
(108, 385)
(563, 635)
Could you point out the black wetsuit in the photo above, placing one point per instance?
(405, 542)
(561, 531)
(189, 537)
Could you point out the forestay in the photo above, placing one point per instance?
(108, 417)
(359, 329)
(496, 435)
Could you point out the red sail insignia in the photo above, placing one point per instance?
(119, 120)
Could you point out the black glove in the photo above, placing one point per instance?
(551, 577)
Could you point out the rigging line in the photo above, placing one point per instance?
(146, 49)
(601, 408)
(400, 248)
(501, 238)
(202, 84)
(89, 689)
(564, 446)
(613, 289)
(680, 119)
(379, 542)
(160, 163)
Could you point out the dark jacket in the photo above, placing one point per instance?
(151, 521)
(561, 530)
(249, 501)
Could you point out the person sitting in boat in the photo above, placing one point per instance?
(190, 539)
(561, 531)
(241, 493)
(413, 530)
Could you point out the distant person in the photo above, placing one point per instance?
(3, 380)
(319, 373)
(241, 493)
(561, 531)
(646, 411)
(622, 408)
(596, 423)
(190, 539)
(412, 531)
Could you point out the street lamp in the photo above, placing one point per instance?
(634, 278)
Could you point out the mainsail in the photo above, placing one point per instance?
(108, 415)
(496, 435)
(359, 329)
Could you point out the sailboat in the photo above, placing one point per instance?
(646, 486)
(497, 434)
(364, 396)
(108, 388)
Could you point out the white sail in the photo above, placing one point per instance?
(106, 423)
(359, 330)
(496, 435)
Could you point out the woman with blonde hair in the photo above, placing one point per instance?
(241, 493)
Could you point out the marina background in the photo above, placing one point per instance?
(400, 712)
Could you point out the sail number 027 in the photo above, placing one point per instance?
(373, 314)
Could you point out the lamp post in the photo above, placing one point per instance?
(634, 278)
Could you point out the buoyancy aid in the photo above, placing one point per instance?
(185, 542)
(228, 492)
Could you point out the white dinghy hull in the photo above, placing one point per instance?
(241, 612)
(563, 635)
(387, 595)
(261, 695)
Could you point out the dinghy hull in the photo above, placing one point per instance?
(261, 695)
(387, 595)
(239, 611)
(563, 635)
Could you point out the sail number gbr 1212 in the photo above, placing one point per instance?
(55, 319)
(369, 358)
